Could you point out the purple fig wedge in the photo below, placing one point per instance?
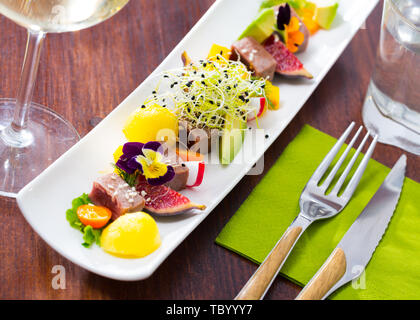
(287, 63)
(163, 201)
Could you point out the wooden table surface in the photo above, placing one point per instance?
(86, 74)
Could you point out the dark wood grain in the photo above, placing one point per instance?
(86, 74)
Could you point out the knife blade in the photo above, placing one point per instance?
(359, 243)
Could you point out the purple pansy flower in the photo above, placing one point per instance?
(147, 159)
(283, 17)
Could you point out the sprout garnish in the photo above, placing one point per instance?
(204, 93)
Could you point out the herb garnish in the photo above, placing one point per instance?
(90, 235)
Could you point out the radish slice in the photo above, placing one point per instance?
(259, 105)
(196, 173)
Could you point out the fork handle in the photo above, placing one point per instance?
(329, 274)
(261, 280)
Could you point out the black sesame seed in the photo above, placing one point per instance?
(220, 81)
(154, 92)
(203, 82)
(143, 106)
(183, 165)
(267, 136)
(204, 64)
(203, 76)
(193, 98)
(211, 102)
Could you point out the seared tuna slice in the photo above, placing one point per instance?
(113, 192)
(255, 57)
(198, 139)
(179, 181)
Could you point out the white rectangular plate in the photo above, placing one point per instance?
(45, 200)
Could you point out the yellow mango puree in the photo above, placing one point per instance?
(133, 235)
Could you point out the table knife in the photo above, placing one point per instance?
(359, 243)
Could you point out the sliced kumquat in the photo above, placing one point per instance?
(94, 216)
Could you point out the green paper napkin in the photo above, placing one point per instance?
(394, 270)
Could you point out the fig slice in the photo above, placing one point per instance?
(287, 63)
(163, 201)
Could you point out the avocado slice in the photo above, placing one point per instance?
(262, 27)
(233, 136)
(295, 4)
(325, 12)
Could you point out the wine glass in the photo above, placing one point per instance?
(33, 136)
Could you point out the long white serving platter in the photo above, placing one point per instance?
(45, 200)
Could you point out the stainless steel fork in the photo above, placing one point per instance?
(315, 204)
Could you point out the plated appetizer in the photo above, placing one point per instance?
(200, 108)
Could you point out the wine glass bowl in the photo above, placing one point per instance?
(59, 15)
(33, 136)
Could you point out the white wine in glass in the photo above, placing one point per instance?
(33, 136)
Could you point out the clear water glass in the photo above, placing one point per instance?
(392, 105)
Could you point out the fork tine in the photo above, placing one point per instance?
(337, 166)
(354, 181)
(319, 172)
(344, 175)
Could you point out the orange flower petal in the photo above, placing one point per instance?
(294, 25)
(292, 47)
(297, 38)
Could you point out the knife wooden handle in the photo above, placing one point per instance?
(329, 274)
(257, 285)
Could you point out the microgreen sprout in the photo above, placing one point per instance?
(204, 93)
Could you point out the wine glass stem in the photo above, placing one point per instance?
(16, 134)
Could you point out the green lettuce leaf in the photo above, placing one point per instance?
(90, 235)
